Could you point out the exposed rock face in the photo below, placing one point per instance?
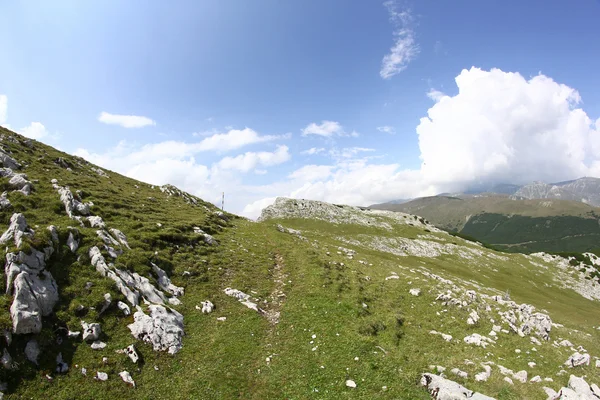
(73, 206)
(165, 283)
(4, 201)
(171, 190)
(337, 214)
(21, 183)
(16, 231)
(132, 353)
(120, 237)
(73, 240)
(207, 307)
(8, 161)
(34, 288)
(445, 389)
(577, 360)
(96, 222)
(578, 389)
(127, 378)
(163, 328)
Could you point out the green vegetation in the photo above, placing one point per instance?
(339, 316)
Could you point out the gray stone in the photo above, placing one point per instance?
(127, 378)
(32, 351)
(165, 283)
(445, 389)
(91, 332)
(163, 328)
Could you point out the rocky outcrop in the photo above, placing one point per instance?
(165, 283)
(34, 289)
(163, 328)
(577, 389)
(7, 161)
(242, 298)
(444, 389)
(74, 206)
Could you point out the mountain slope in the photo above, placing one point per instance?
(310, 301)
(515, 225)
(586, 190)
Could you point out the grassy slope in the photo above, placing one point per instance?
(228, 359)
(516, 225)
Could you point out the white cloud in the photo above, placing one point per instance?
(327, 129)
(310, 173)
(250, 160)
(126, 121)
(3, 108)
(253, 209)
(35, 130)
(405, 48)
(386, 129)
(234, 139)
(500, 127)
(313, 150)
(435, 95)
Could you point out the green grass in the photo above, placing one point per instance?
(323, 297)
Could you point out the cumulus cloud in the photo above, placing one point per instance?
(35, 130)
(178, 163)
(310, 173)
(126, 121)
(498, 128)
(3, 108)
(405, 48)
(250, 160)
(327, 129)
(386, 129)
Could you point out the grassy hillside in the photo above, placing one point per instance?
(512, 225)
(332, 284)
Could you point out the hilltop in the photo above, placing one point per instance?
(117, 288)
(510, 223)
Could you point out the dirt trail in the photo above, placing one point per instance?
(277, 296)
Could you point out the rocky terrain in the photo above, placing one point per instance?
(119, 288)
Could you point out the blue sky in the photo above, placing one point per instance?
(234, 94)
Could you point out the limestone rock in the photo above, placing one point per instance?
(17, 231)
(124, 308)
(120, 236)
(165, 283)
(207, 307)
(445, 389)
(415, 292)
(132, 353)
(163, 328)
(32, 351)
(521, 376)
(242, 298)
(73, 240)
(91, 332)
(8, 161)
(578, 359)
(73, 206)
(101, 376)
(4, 201)
(98, 345)
(35, 294)
(127, 378)
(21, 183)
(96, 222)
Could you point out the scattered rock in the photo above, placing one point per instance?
(351, 384)
(207, 307)
(127, 378)
(165, 283)
(483, 376)
(91, 332)
(242, 298)
(445, 389)
(98, 345)
(32, 351)
(163, 328)
(61, 366)
(578, 359)
(521, 376)
(508, 380)
(6, 359)
(415, 292)
(124, 308)
(132, 353)
(101, 376)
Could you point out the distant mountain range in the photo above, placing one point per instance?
(534, 217)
